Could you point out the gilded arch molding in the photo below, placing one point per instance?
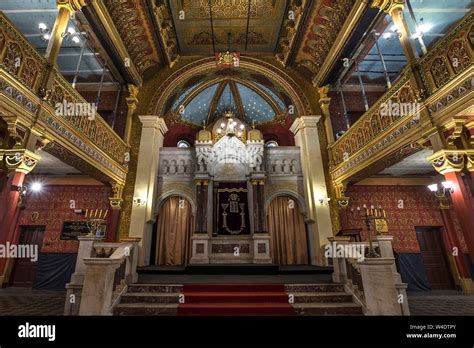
(290, 86)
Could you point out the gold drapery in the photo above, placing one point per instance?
(174, 230)
(287, 230)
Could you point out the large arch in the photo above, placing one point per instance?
(167, 88)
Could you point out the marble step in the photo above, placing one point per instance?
(263, 297)
(156, 288)
(346, 308)
(146, 309)
(297, 288)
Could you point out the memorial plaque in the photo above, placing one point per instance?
(72, 229)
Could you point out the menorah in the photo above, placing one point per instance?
(96, 219)
(368, 215)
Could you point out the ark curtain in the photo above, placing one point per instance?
(287, 230)
(233, 213)
(174, 232)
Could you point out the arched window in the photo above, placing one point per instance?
(183, 144)
(271, 143)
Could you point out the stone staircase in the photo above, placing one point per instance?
(237, 299)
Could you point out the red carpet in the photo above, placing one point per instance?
(235, 299)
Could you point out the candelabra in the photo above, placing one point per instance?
(368, 215)
(96, 219)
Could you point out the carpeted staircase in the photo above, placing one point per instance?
(237, 299)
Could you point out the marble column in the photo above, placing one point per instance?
(142, 216)
(305, 129)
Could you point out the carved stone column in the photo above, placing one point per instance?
(305, 129)
(142, 219)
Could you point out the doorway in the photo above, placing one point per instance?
(434, 257)
(24, 270)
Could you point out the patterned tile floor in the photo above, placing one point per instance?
(23, 301)
(19, 301)
(440, 302)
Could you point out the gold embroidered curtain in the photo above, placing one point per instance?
(287, 231)
(174, 232)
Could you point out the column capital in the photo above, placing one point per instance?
(447, 161)
(324, 100)
(388, 6)
(19, 160)
(152, 121)
(470, 160)
(303, 122)
(132, 99)
(71, 5)
(116, 200)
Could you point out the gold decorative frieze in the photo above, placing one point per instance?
(168, 39)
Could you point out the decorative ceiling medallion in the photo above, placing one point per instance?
(227, 59)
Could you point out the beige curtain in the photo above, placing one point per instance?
(287, 230)
(174, 230)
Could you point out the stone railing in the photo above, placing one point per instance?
(103, 273)
(381, 127)
(176, 161)
(374, 282)
(24, 77)
(282, 160)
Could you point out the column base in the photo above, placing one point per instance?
(261, 248)
(467, 285)
(200, 248)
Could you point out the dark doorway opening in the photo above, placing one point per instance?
(434, 256)
(24, 270)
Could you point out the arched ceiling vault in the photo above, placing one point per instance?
(253, 80)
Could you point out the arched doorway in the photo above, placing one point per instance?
(286, 226)
(173, 230)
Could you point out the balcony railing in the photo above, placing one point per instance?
(23, 75)
(450, 58)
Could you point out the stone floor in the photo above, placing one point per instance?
(440, 302)
(22, 301)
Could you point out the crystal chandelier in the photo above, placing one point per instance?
(232, 126)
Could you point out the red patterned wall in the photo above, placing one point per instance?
(420, 208)
(52, 204)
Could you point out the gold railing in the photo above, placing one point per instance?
(24, 67)
(372, 123)
(448, 59)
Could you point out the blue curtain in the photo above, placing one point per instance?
(412, 270)
(54, 270)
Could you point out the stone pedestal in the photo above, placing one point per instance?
(261, 248)
(86, 247)
(380, 292)
(386, 251)
(339, 275)
(98, 286)
(200, 248)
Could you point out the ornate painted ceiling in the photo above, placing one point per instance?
(295, 32)
(192, 20)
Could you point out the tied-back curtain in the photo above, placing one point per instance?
(287, 230)
(174, 232)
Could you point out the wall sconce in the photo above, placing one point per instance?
(24, 189)
(324, 201)
(440, 193)
(139, 201)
